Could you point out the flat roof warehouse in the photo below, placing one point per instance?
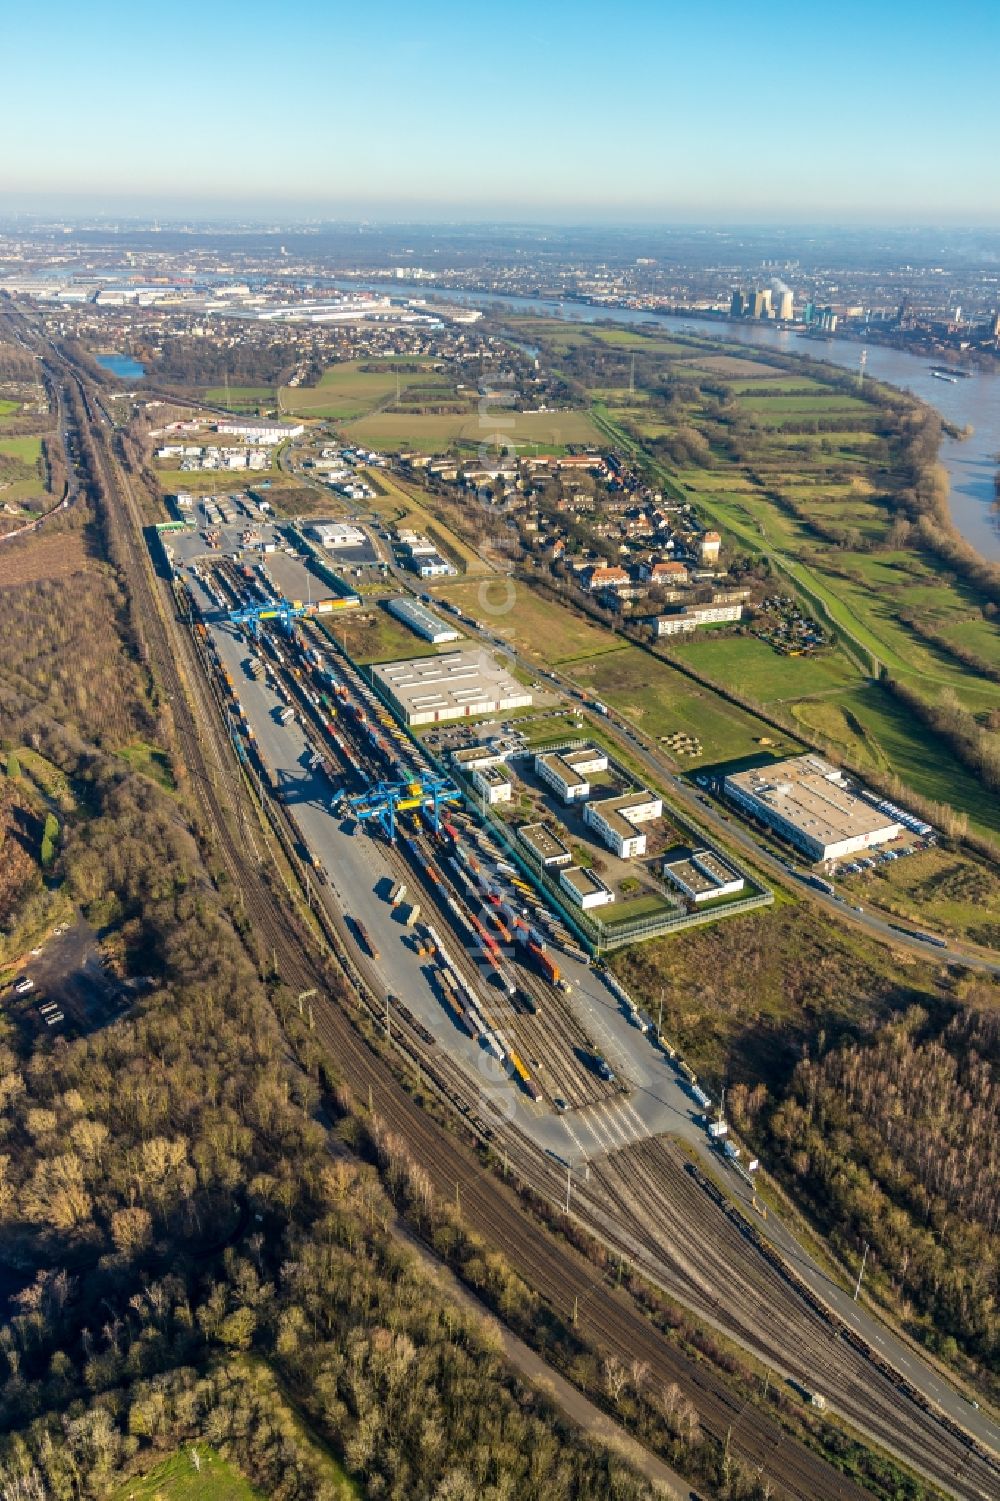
(455, 685)
(810, 802)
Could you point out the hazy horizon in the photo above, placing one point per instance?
(659, 117)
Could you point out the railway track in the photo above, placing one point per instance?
(566, 1280)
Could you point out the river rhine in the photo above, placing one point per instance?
(975, 401)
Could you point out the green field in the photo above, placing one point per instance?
(437, 432)
(541, 629)
(754, 669)
(8, 407)
(357, 387)
(177, 1479)
(660, 700)
(773, 411)
(241, 398)
(27, 450)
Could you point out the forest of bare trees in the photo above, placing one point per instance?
(892, 1139)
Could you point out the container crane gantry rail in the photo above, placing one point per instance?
(386, 799)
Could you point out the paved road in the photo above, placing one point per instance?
(656, 1100)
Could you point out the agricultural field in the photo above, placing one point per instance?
(439, 432)
(540, 629)
(180, 1479)
(241, 398)
(357, 387)
(776, 411)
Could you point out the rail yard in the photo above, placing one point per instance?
(486, 991)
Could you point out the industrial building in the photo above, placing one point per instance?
(258, 429)
(334, 534)
(565, 773)
(549, 851)
(493, 784)
(422, 557)
(810, 803)
(704, 876)
(456, 685)
(586, 889)
(422, 621)
(615, 818)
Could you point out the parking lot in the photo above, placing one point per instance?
(64, 984)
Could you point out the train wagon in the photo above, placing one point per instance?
(530, 1087)
(545, 963)
(367, 941)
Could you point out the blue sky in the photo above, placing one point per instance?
(878, 112)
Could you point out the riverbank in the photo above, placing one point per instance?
(973, 403)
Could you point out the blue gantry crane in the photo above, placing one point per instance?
(385, 799)
(250, 616)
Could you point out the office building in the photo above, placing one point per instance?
(786, 306)
(493, 784)
(586, 889)
(704, 877)
(566, 774)
(549, 851)
(615, 819)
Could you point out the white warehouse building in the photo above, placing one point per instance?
(258, 429)
(334, 534)
(454, 685)
(422, 621)
(810, 803)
